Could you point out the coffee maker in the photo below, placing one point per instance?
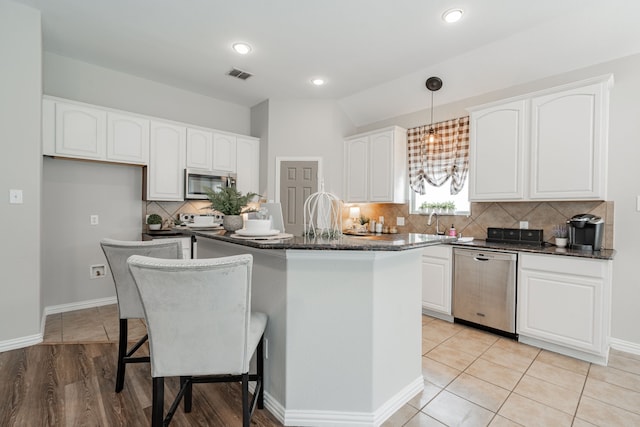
(585, 232)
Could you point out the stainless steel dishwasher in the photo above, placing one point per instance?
(484, 289)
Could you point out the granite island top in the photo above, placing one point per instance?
(373, 242)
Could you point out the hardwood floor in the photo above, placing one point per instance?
(471, 378)
(73, 385)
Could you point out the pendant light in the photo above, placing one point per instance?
(433, 84)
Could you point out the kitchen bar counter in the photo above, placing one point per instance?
(605, 254)
(370, 242)
(343, 342)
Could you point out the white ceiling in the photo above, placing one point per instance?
(375, 54)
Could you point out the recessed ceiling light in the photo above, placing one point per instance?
(452, 15)
(318, 81)
(242, 48)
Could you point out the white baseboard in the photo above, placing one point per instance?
(80, 305)
(626, 346)
(30, 340)
(350, 419)
(16, 343)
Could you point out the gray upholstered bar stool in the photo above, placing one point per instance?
(201, 327)
(129, 305)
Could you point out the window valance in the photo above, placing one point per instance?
(435, 163)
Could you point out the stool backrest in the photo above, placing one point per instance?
(197, 313)
(117, 252)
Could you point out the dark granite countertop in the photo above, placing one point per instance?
(372, 242)
(381, 242)
(547, 249)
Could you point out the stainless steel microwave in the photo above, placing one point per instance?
(196, 182)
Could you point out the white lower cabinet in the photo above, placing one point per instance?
(436, 281)
(563, 305)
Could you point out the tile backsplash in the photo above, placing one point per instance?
(540, 215)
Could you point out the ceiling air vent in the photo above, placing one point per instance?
(242, 75)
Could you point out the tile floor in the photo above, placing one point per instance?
(471, 378)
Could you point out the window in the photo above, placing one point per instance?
(438, 167)
(441, 195)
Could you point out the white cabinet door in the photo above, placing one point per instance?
(436, 279)
(381, 167)
(565, 301)
(375, 166)
(497, 144)
(80, 131)
(568, 144)
(548, 145)
(199, 149)
(248, 165)
(165, 173)
(127, 138)
(224, 152)
(356, 172)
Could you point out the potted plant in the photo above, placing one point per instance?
(231, 203)
(154, 222)
(560, 233)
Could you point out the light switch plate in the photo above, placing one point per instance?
(400, 220)
(524, 224)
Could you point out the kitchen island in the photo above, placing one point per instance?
(344, 333)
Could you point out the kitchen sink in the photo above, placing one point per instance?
(398, 236)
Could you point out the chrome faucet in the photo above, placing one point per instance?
(437, 223)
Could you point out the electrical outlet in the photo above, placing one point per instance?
(524, 225)
(15, 197)
(94, 219)
(96, 271)
(400, 221)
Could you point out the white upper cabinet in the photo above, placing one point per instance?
(74, 130)
(569, 143)
(497, 152)
(356, 173)
(376, 166)
(127, 138)
(248, 165)
(549, 145)
(165, 173)
(82, 131)
(224, 152)
(199, 149)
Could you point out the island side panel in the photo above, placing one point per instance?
(267, 296)
(355, 319)
(397, 322)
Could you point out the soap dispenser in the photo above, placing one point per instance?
(452, 231)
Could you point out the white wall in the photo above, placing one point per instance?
(72, 191)
(20, 168)
(80, 81)
(307, 128)
(623, 179)
(260, 129)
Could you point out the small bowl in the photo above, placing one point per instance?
(258, 225)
